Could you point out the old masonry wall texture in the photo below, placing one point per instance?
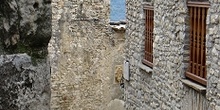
(161, 88)
(81, 51)
(84, 68)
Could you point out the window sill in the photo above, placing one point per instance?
(194, 85)
(118, 28)
(147, 4)
(145, 68)
(147, 63)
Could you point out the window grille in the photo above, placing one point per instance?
(197, 63)
(149, 26)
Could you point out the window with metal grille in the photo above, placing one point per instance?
(149, 26)
(197, 22)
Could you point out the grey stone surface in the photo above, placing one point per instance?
(212, 43)
(25, 26)
(116, 105)
(194, 85)
(25, 29)
(22, 85)
(163, 89)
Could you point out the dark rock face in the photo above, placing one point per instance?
(25, 26)
(22, 85)
(25, 30)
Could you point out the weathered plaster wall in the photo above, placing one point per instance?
(82, 52)
(161, 87)
(25, 28)
(114, 70)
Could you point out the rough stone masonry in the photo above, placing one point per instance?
(162, 87)
(83, 55)
(80, 68)
(25, 29)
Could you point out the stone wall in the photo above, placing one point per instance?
(138, 94)
(84, 55)
(25, 28)
(213, 44)
(161, 87)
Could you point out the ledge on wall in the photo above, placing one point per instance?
(194, 85)
(118, 25)
(145, 68)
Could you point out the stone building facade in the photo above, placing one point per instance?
(84, 68)
(85, 54)
(165, 87)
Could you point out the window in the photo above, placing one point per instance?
(149, 26)
(197, 22)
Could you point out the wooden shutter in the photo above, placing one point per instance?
(197, 63)
(149, 26)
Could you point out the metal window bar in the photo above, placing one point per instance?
(149, 26)
(197, 64)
